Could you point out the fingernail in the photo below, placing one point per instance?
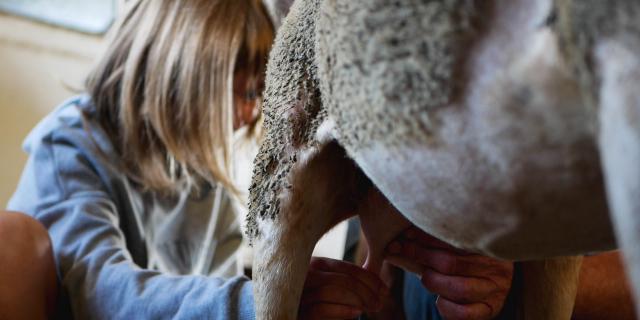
(395, 247)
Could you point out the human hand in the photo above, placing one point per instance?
(469, 286)
(337, 289)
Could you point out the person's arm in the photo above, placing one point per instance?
(469, 286)
(27, 273)
(603, 289)
(62, 188)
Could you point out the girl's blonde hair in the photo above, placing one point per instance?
(164, 89)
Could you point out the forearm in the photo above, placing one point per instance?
(603, 289)
(121, 291)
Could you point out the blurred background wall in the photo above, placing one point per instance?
(40, 66)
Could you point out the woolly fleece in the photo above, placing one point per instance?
(409, 52)
(292, 111)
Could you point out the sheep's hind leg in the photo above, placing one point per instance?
(619, 116)
(548, 289)
(324, 188)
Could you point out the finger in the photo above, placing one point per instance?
(450, 310)
(462, 290)
(452, 263)
(427, 240)
(345, 289)
(370, 279)
(443, 261)
(405, 263)
(329, 311)
(372, 298)
(333, 295)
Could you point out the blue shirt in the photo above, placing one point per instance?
(419, 303)
(122, 253)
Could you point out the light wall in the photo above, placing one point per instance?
(40, 66)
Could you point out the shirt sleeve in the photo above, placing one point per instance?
(63, 188)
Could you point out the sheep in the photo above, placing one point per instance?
(483, 122)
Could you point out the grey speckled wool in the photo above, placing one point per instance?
(292, 110)
(581, 22)
(384, 64)
(408, 52)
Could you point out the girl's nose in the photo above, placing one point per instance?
(245, 113)
(248, 112)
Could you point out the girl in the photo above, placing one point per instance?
(133, 180)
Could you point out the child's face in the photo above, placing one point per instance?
(247, 90)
